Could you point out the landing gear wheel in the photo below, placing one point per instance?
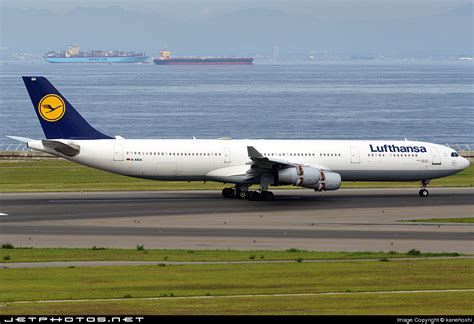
(267, 195)
(228, 193)
(423, 193)
(243, 194)
(424, 188)
(254, 195)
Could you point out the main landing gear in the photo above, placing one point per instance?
(424, 188)
(246, 194)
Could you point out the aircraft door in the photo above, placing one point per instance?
(435, 157)
(118, 152)
(355, 154)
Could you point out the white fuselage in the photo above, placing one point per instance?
(227, 160)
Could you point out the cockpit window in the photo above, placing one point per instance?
(454, 154)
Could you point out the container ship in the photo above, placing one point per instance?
(166, 59)
(74, 55)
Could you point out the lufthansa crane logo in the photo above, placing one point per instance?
(51, 108)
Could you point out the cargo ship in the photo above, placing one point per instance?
(74, 55)
(166, 59)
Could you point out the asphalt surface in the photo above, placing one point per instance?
(350, 219)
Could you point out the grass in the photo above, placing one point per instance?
(442, 220)
(449, 303)
(348, 278)
(103, 254)
(61, 175)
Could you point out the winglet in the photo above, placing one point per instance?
(253, 153)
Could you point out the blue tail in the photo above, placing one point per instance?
(57, 116)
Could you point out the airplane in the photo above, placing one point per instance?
(50, 109)
(320, 165)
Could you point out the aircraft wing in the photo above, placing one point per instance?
(258, 160)
(261, 163)
(256, 168)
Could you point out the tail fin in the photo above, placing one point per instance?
(57, 116)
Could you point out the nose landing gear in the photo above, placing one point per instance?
(424, 188)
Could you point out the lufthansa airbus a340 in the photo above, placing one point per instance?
(316, 164)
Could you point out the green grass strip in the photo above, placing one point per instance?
(243, 279)
(435, 303)
(10, 254)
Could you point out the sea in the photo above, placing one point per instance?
(367, 99)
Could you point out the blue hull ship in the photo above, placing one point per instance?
(74, 55)
(98, 59)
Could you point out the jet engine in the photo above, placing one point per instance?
(310, 177)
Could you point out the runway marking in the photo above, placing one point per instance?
(3, 214)
(336, 293)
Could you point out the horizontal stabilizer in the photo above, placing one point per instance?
(68, 149)
(20, 139)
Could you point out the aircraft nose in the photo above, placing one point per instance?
(464, 163)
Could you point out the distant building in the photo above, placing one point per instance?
(275, 52)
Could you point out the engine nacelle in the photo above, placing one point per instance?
(329, 181)
(309, 177)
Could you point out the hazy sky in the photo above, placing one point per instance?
(374, 27)
(329, 9)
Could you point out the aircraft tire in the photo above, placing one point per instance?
(243, 194)
(228, 192)
(254, 196)
(267, 195)
(423, 193)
